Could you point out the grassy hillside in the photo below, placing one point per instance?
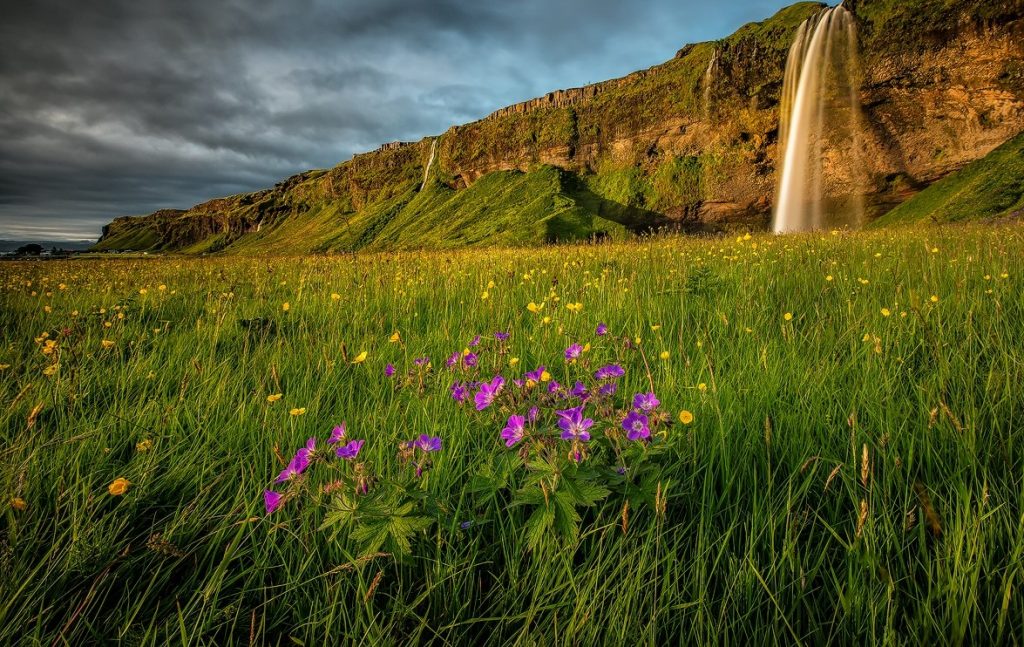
(992, 187)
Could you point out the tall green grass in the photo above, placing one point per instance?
(762, 538)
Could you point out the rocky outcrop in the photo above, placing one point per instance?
(692, 142)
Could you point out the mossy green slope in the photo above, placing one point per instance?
(992, 187)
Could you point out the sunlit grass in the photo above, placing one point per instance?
(851, 471)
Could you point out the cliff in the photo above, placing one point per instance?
(690, 143)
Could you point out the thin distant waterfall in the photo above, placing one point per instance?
(819, 128)
(709, 79)
(426, 171)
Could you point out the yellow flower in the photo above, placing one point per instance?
(144, 445)
(586, 347)
(119, 486)
(395, 337)
(886, 312)
(18, 503)
(162, 288)
(298, 411)
(656, 327)
(335, 296)
(828, 278)
(545, 376)
(360, 358)
(107, 343)
(50, 370)
(484, 295)
(511, 362)
(286, 306)
(533, 307)
(935, 298)
(1004, 275)
(574, 307)
(788, 316)
(546, 320)
(274, 397)
(4, 367)
(685, 417)
(490, 285)
(664, 355)
(702, 387)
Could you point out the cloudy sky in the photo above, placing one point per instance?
(121, 107)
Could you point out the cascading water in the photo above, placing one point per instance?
(709, 80)
(819, 128)
(426, 171)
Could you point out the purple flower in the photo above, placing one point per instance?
(453, 359)
(337, 435)
(513, 431)
(459, 392)
(475, 342)
(465, 525)
(573, 425)
(501, 336)
(488, 391)
(350, 451)
(470, 360)
(602, 330)
(428, 443)
(608, 372)
(389, 370)
(645, 402)
(636, 427)
(533, 414)
(272, 500)
(608, 390)
(299, 462)
(579, 390)
(573, 352)
(421, 361)
(554, 387)
(536, 375)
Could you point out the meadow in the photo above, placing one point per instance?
(833, 457)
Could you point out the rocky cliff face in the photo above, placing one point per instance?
(692, 141)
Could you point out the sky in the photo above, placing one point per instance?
(122, 107)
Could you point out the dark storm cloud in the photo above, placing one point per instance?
(126, 106)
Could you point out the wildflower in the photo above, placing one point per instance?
(488, 391)
(337, 435)
(702, 387)
(453, 359)
(608, 390)
(274, 397)
(475, 342)
(428, 444)
(395, 337)
(466, 525)
(574, 307)
(533, 414)
(421, 361)
(636, 426)
(335, 296)
(513, 431)
(608, 372)
(579, 390)
(484, 295)
(360, 358)
(107, 344)
(271, 500)
(51, 369)
(501, 336)
(536, 375)
(349, 451)
(788, 316)
(298, 464)
(513, 361)
(298, 411)
(533, 307)
(546, 320)
(389, 370)
(18, 503)
(470, 360)
(645, 402)
(144, 445)
(886, 312)
(664, 355)
(685, 417)
(573, 352)
(828, 278)
(118, 487)
(602, 330)
(460, 392)
(935, 298)
(286, 306)
(573, 425)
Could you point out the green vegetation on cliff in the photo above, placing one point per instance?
(992, 187)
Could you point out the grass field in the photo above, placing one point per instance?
(835, 456)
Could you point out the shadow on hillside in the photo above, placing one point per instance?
(636, 219)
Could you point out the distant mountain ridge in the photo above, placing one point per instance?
(70, 245)
(691, 143)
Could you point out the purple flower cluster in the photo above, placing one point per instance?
(304, 457)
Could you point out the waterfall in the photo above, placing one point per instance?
(709, 79)
(819, 128)
(426, 171)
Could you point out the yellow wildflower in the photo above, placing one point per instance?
(511, 362)
(119, 486)
(395, 337)
(664, 355)
(886, 312)
(685, 417)
(286, 306)
(360, 358)
(107, 343)
(274, 397)
(18, 503)
(335, 296)
(298, 411)
(935, 298)
(144, 445)
(788, 316)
